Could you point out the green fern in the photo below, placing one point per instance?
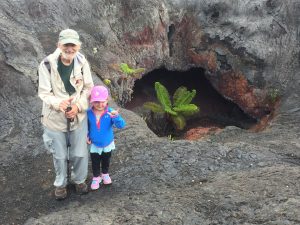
(154, 107)
(163, 96)
(183, 97)
(186, 108)
(178, 93)
(170, 111)
(130, 71)
(179, 121)
(177, 111)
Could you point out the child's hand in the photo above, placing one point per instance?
(113, 113)
(88, 141)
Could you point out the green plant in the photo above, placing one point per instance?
(130, 71)
(107, 82)
(95, 50)
(122, 82)
(177, 110)
(126, 71)
(273, 94)
(170, 137)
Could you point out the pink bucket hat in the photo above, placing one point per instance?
(99, 94)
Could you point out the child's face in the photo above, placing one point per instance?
(99, 105)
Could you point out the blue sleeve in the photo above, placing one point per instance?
(119, 122)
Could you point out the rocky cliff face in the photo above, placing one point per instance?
(250, 52)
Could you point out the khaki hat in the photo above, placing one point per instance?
(69, 36)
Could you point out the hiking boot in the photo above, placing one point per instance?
(81, 188)
(95, 183)
(60, 193)
(106, 179)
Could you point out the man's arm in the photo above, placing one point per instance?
(45, 88)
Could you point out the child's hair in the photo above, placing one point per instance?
(99, 94)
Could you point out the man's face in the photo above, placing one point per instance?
(69, 50)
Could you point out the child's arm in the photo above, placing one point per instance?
(118, 121)
(88, 140)
(116, 118)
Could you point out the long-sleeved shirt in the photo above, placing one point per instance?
(101, 133)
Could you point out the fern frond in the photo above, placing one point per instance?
(192, 108)
(185, 98)
(126, 69)
(138, 70)
(154, 107)
(178, 95)
(163, 95)
(170, 111)
(192, 94)
(179, 122)
(137, 74)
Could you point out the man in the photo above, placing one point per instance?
(65, 82)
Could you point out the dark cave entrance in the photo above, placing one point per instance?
(215, 110)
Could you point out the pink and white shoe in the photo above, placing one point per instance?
(106, 179)
(95, 183)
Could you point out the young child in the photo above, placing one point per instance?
(101, 119)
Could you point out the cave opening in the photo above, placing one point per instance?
(215, 113)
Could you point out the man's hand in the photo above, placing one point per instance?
(73, 112)
(64, 104)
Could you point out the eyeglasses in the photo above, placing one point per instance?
(69, 45)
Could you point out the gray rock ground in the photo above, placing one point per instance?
(234, 177)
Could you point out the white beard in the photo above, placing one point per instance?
(68, 56)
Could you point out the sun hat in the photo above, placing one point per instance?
(69, 36)
(99, 94)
